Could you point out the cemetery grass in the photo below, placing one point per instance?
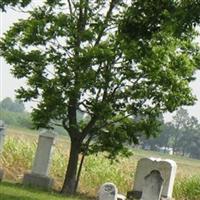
(12, 191)
(20, 148)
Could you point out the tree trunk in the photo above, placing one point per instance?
(69, 186)
(79, 171)
(175, 148)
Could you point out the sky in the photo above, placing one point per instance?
(8, 84)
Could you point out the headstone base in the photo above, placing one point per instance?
(131, 195)
(136, 195)
(121, 197)
(37, 180)
(1, 174)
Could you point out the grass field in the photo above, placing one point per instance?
(17, 192)
(20, 148)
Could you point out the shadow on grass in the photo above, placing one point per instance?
(12, 197)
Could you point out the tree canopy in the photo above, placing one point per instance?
(120, 64)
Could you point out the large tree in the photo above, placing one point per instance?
(186, 132)
(120, 64)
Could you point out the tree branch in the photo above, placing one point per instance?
(108, 15)
(85, 106)
(70, 6)
(89, 126)
(113, 122)
(56, 124)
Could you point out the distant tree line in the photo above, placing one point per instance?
(13, 113)
(14, 106)
(182, 135)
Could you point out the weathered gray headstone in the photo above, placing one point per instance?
(39, 175)
(43, 154)
(108, 191)
(167, 169)
(2, 135)
(153, 185)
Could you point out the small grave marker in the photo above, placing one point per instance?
(108, 191)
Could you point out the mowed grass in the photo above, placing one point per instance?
(17, 192)
(19, 151)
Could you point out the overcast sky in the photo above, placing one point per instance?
(8, 84)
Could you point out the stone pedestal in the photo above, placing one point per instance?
(39, 175)
(2, 136)
(37, 180)
(121, 197)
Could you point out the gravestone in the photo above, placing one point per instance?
(153, 185)
(39, 174)
(108, 191)
(167, 169)
(2, 135)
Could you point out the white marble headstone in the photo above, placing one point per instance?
(43, 153)
(108, 191)
(167, 169)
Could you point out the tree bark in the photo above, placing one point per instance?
(69, 186)
(79, 171)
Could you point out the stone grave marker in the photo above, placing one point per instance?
(153, 185)
(39, 174)
(108, 191)
(2, 136)
(167, 169)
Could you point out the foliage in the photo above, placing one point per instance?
(108, 59)
(4, 3)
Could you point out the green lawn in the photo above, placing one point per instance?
(9, 191)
